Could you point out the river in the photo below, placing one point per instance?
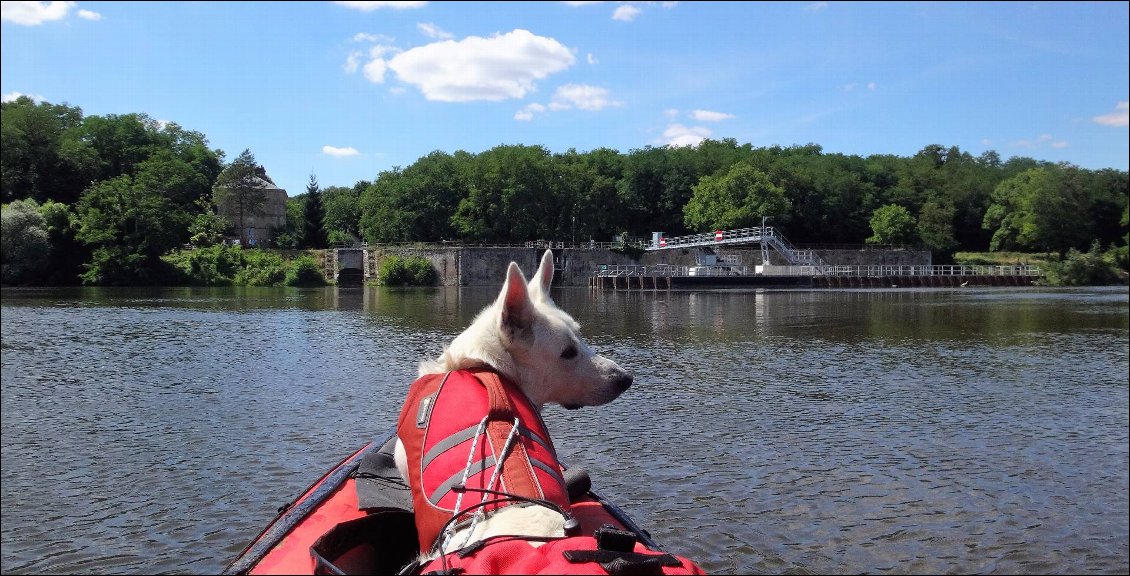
(768, 431)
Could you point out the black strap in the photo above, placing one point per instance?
(623, 562)
(608, 537)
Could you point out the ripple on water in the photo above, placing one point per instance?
(784, 432)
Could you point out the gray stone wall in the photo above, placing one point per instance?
(487, 266)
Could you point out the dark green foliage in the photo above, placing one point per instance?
(260, 268)
(304, 271)
(233, 266)
(24, 243)
(343, 212)
(406, 271)
(237, 191)
(313, 218)
(43, 155)
(738, 198)
(129, 189)
(1082, 269)
(891, 224)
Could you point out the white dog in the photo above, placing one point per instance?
(526, 338)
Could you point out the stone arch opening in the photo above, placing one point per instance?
(350, 277)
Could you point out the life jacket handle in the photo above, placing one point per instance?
(499, 400)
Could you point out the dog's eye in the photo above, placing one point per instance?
(570, 352)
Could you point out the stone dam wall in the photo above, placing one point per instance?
(481, 266)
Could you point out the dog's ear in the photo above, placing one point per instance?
(517, 311)
(543, 278)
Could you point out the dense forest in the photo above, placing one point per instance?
(104, 199)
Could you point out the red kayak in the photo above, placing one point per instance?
(357, 519)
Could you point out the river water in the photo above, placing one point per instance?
(768, 431)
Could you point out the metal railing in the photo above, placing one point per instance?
(618, 270)
(939, 270)
(765, 235)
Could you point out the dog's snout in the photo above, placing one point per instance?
(623, 382)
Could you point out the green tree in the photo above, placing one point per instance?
(343, 211)
(43, 155)
(24, 243)
(121, 141)
(129, 227)
(207, 227)
(290, 235)
(512, 195)
(67, 254)
(238, 189)
(314, 215)
(891, 224)
(1040, 209)
(419, 202)
(740, 197)
(935, 229)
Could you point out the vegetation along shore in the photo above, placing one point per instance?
(125, 200)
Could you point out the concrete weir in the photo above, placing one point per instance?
(603, 268)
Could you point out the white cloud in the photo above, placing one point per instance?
(432, 31)
(365, 37)
(625, 13)
(568, 97)
(851, 87)
(375, 70)
(679, 135)
(339, 152)
(34, 13)
(476, 68)
(1120, 116)
(527, 113)
(370, 6)
(89, 15)
(815, 6)
(351, 62)
(13, 96)
(591, 59)
(582, 3)
(710, 116)
(1039, 142)
(581, 96)
(671, 112)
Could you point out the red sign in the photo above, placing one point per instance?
(662, 241)
(718, 236)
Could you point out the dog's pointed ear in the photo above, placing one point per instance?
(517, 310)
(543, 278)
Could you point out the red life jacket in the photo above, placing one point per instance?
(440, 423)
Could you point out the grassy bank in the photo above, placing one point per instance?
(234, 266)
(1092, 268)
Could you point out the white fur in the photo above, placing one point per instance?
(523, 336)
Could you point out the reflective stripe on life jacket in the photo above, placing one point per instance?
(439, 426)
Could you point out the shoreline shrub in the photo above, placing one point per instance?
(406, 271)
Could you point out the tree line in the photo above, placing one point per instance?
(113, 194)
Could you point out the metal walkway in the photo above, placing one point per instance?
(767, 236)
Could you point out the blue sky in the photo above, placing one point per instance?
(345, 90)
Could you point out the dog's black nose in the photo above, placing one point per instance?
(624, 382)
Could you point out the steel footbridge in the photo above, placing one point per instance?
(766, 236)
